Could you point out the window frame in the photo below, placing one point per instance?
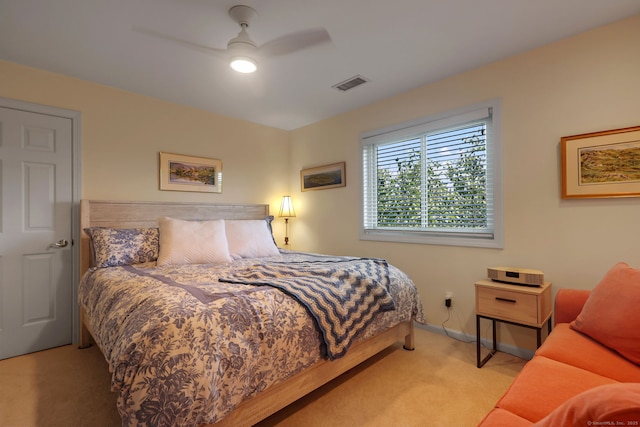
(494, 176)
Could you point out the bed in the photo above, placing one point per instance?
(232, 339)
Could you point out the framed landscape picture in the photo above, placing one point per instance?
(601, 164)
(188, 173)
(323, 177)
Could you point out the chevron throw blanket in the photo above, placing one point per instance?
(342, 294)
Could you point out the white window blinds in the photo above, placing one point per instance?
(433, 181)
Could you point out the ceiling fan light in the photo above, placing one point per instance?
(243, 64)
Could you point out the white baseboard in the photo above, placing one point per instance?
(522, 353)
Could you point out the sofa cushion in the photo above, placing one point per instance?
(544, 384)
(611, 404)
(611, 316)
(500, 417)
(568, 304)
(569, 346)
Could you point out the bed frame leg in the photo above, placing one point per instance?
(86, 340)
(409, 342)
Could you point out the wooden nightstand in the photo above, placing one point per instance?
(528, 306)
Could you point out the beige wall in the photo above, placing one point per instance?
(123, 133)
(586, 83)
(583, 84)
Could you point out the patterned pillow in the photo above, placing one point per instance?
(123, 246)
(269, 220)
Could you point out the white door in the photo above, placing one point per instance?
(35, 232)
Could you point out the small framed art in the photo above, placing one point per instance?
(601, 164)
(188, 173)
(323, 177)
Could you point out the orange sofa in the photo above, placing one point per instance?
(574, 379)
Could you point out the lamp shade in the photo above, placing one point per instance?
(286, 208)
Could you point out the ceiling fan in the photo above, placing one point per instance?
(242, 52)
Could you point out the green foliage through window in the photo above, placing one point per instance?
(455, 192)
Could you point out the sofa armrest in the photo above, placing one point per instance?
(569, 303)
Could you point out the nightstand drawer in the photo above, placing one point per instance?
(513, 306)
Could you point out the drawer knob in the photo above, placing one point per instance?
(506, 300)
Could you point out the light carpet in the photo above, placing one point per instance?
(438, 384)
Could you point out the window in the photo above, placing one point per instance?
(436, 180)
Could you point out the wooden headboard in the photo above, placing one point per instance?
(125, 214)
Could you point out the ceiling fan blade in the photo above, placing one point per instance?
(179, 41)
(295, 41)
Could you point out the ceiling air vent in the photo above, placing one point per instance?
(350, 83)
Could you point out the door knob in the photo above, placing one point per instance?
(59, 244)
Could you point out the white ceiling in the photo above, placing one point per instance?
(398, 45)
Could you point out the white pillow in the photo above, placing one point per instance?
(192, 242)
(249, 238)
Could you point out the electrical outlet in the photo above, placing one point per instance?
(448, 296)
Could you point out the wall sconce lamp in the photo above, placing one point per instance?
(286, 212)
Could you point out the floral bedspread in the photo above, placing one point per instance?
(185, 349)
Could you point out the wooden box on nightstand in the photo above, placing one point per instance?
(528, 306)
